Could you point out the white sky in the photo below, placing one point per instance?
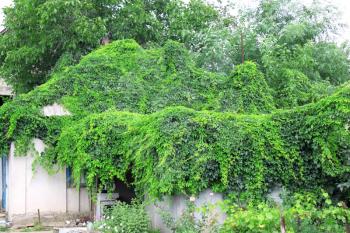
(3, 3)
(343, 5)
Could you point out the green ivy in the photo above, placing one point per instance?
(304, 213)
(177, 128)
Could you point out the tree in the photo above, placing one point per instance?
(157, 21)
(40, 32)
(291, 42)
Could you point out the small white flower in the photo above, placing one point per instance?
(192, 198)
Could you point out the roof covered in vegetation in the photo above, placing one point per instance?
(177, 128)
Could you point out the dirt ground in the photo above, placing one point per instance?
(32, 231)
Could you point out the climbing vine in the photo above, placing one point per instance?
(177, 128)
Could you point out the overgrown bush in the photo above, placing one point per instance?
(126, 218)
(259, 219)
(178, 129)
(266, 219)
(304, 214)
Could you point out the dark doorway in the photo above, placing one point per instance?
(3, 99)
(126, 192)
(125, 189)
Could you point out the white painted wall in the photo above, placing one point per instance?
(78, 202)
(16, 185)
(4, 88)
(28, 191)
(43, 191)
(55, 110)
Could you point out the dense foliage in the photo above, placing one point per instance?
(244, 104)
(125, 218)
(40, 35)
(303, 213)
(287, 39)
(153, 114)
(280, 36)
(265, 219)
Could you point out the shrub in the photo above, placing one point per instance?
(265, 219)
(304, 213)
(126, 218)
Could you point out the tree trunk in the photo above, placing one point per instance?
(242, 46)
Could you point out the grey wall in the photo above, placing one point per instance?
(177, 204)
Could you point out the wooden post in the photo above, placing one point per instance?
(39, 220)
(298, 224)
(283, 223)
(347, 228)
(347, 225)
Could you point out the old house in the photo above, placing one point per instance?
(25, 192)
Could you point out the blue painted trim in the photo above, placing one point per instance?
(69, 177)
(4, 165)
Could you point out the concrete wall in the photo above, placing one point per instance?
(4, 88)
(30, 190)
(78, 202)
(176, 205)
(55, 110)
